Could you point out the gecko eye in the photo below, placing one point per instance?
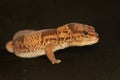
(85, 33)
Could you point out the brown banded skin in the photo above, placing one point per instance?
(30, 43)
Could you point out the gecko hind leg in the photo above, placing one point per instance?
(50, 54)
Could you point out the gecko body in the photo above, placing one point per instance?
(31, 43)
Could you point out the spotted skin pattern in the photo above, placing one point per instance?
(31, 43)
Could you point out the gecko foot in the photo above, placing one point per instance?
(56, 61)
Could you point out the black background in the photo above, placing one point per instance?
(97, 62)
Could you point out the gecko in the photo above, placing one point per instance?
(34, 43)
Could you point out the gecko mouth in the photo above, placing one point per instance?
(85, 42)
(93, 41)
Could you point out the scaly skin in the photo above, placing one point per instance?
(30, 43)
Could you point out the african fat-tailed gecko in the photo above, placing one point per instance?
(31, 43)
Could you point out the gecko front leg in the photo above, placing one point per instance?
(50, 54)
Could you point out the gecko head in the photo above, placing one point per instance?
(83, 34)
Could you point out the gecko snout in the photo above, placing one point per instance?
(97, 35)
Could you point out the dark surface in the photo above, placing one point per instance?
(97, 62)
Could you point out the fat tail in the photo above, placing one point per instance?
(10, 46)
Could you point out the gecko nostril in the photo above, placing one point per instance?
(97, 36)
